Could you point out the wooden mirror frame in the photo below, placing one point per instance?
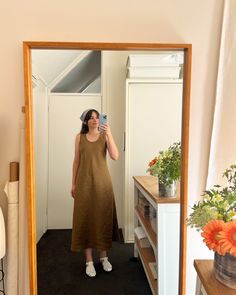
(27, 46)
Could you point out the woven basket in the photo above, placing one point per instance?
(225, 269)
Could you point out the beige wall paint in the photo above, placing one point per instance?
(183, 21)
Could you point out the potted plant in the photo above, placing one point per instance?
(166, 166)
(215, 217)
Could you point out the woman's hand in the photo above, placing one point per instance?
(72, 192)
(75, 165)
(106, 129)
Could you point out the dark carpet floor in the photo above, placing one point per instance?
(62, 272)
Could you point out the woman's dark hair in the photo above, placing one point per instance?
(84, 128)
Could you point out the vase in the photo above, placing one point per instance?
(225, 269)
(167, 190)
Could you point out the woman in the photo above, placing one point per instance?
(94, 218)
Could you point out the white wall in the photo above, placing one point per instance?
(183, 21)
(40, 108)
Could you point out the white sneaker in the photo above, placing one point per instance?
(106, 264)
(90, 270)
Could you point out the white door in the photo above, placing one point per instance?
(64, 124)
(153, 122)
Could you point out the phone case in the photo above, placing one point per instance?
(102, 119)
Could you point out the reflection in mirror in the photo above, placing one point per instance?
(141, 93)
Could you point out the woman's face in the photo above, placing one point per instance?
(93, 122)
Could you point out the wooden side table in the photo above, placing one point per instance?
(207, 284)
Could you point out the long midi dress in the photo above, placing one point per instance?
(94, 217)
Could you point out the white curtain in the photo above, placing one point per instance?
(12, 192)
(223, 141)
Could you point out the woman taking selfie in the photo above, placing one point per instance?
(94, 217)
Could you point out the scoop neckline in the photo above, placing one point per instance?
(92, 141)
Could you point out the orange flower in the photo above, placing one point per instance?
(211, 235)
(228, 238)
(152, 162)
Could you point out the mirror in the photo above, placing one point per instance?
(108, 92)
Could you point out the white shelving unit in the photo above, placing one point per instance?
(163, 236)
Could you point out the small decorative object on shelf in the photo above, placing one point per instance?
(166, 166)
(215, 216)
(153, 268)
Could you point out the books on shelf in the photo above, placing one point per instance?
(140, 232)
(152, 212)
(145, 208)
(153, 268)
(153, 222)
(143, 240)
(144, 243)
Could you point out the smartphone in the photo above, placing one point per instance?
(102, 120)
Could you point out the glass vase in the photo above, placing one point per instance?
(225, 269)
(167, 190)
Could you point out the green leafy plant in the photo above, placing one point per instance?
(215, 215)
(166, 166)
(217, 203)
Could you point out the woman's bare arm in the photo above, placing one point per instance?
(75, 164)
(111, 145)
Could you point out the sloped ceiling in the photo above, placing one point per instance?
(50, 63)
(87, 70)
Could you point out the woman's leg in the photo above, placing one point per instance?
(88, 254)
(90, 270)
(103, 254)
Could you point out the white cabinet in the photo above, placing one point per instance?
(153, 123)
(159, 219)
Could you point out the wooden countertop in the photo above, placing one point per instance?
(206, 274)
(149, 184)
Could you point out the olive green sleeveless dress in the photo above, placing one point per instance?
(94, 217)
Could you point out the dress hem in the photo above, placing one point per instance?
(79, 249)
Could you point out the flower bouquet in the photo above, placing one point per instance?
(166, 166)
(215, 216)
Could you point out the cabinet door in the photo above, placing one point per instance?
(153, 122)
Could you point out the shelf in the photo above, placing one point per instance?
(205, 271)
(147, 255)
(163, 238)
(147, 227)
(149, 185)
